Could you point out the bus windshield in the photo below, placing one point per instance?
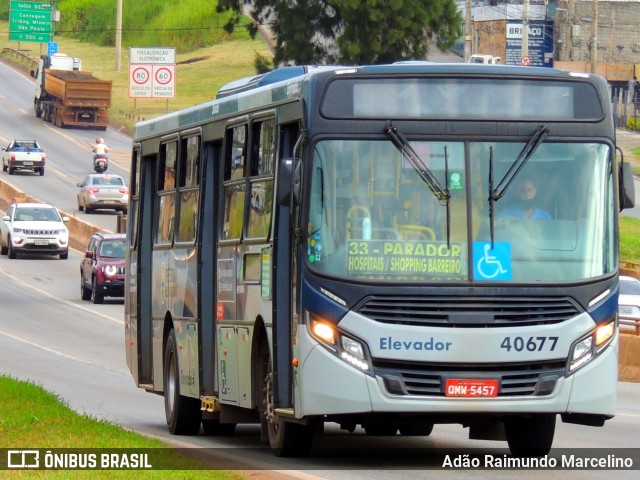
(373, 217)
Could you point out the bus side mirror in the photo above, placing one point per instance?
(289, 179)
(627, 187)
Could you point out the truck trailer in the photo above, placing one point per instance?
(69, 97)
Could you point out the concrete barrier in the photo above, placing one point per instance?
(79, 231)
(629, 358)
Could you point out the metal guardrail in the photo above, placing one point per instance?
(21, 56)
(632, 269)
(629, 322)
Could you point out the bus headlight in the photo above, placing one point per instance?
(353, 353)
(590, 346)
(345, 347)
(323, 332)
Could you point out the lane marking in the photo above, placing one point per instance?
(66, 302)
(61, 354)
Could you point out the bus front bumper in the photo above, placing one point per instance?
(329, 386)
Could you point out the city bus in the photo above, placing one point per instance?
(380, 248)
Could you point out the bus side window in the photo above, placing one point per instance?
(234, 182)
(188, 192)
(166, 193)
(262, 169)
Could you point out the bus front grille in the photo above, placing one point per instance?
(468, 312)
(514, 379)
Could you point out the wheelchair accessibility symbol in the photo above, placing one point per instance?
(492, 264)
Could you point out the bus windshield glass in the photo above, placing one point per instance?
(373, 217)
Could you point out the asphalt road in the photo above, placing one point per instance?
(69, 156)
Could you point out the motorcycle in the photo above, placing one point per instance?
(101, 164)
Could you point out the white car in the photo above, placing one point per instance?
(23, 155)
(34, 228)
(629, 300)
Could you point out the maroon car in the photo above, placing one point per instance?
(102, 268)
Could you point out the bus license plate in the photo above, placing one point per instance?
(467, 387)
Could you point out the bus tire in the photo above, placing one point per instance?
(287, 439)
(215, 428)
(183, 413)
(530, 436)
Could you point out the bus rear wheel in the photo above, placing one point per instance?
(183, 413)
(530, 436)
(287, 439)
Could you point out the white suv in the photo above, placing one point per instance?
(34, 228)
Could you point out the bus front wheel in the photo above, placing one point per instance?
(287, 439)
(183, 413)
(530, 436)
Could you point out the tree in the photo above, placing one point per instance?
(235, 6)
(305, 31)
(384, 31)
(357, 31)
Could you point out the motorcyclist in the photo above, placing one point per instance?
(100, 149)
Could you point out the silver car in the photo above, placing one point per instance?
(103, 190)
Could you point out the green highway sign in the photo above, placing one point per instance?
(30, 21)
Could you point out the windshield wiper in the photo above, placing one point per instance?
(525, 154)
(441, 193)
(416, 162)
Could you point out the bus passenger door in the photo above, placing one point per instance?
(207, 234)
(229, 261)
(284, 274)
(138, 313)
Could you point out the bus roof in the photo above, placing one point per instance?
(286, 83)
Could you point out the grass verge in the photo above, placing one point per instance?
(198, 74)
(32, 418)
(630, 239)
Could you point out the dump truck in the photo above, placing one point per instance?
(69, 97)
